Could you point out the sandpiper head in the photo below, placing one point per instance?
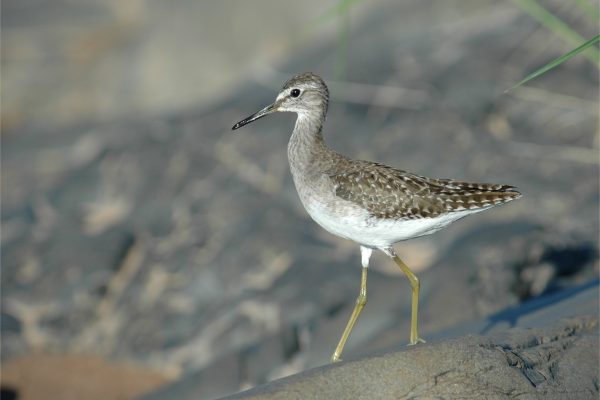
(304, 94)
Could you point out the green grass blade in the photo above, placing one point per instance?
(556, 25)
(557, 61)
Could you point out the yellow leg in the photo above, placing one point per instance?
(414, 283)
(361, 300)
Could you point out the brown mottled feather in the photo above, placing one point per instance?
(391, 193)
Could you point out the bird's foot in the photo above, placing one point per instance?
(416, 341)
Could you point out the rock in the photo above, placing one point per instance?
(551, 363)
(528, 331)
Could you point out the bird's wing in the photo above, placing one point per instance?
(391, 193)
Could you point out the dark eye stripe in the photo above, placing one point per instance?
(295, 92)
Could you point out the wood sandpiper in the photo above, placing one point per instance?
(369, 203)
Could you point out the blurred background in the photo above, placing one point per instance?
(144, 243)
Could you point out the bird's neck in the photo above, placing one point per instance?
(306, 146)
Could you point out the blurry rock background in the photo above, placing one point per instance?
(139, 232)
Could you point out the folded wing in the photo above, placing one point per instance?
(391, 193)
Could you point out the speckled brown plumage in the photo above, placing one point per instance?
(391, 193)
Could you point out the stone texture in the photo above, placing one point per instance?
(534, 337)
(557, 362)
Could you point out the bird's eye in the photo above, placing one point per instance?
(295, 92)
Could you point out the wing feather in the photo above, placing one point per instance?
(391, 193)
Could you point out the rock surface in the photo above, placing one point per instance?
(551, 344)
(554, 363)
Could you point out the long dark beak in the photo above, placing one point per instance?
(265, 111)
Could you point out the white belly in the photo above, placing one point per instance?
(357, 225)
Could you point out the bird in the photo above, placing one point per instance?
(371, 204)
